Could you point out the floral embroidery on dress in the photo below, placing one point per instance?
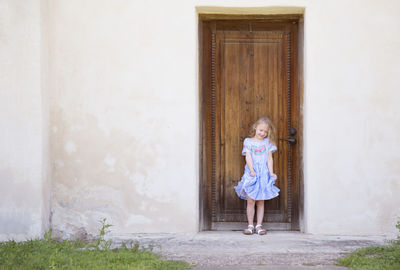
(258, 150)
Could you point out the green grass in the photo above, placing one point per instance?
(50, 254)
(374, 258)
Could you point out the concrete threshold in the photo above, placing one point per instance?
(234, 250)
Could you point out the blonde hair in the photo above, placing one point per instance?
(271, 128)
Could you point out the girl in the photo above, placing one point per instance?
(257, 183)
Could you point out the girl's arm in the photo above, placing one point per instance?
(271, 164)
(249, 163)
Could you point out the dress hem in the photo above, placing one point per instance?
(245, 198)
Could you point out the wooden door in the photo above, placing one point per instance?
(252, 71)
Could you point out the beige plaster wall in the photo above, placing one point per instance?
(44, 80)
(24, 200)
(352, 117)
(124, 115)
(119, 81)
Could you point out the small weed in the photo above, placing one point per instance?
(47, 235)
(100, 243)
(398, 237)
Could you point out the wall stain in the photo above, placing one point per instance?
(85, 190)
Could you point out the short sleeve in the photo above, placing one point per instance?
(246, 147)
(271, 147)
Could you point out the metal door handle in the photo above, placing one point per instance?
(290, 139)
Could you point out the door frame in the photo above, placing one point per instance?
(205, 66)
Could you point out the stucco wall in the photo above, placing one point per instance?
(24, 194)
(124, 115)
(121, 80)
(352, 118)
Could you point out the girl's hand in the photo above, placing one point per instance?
(274, 175)
(252, 173)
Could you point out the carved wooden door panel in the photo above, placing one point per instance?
(253, 72)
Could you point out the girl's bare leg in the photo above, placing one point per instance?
(250, 211)
(260, 211)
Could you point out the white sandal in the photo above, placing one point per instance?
(260, 230)
(249, 230)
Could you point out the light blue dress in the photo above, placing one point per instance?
(261, 186)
